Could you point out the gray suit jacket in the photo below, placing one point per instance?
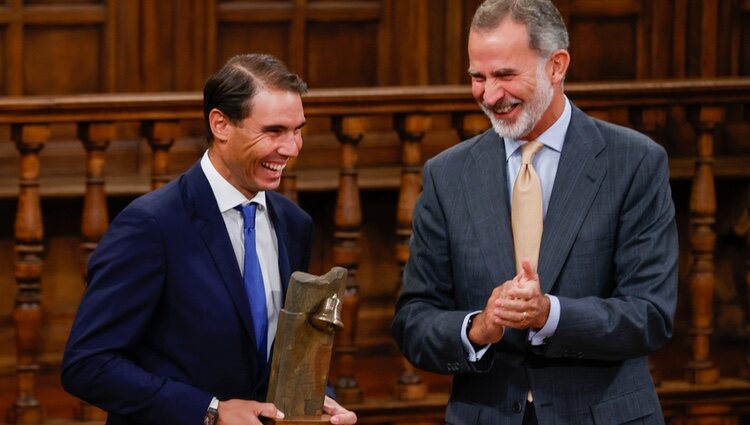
(609, 253)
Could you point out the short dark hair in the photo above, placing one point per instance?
(232, 89)
(543, 22)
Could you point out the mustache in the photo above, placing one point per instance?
(501, 104)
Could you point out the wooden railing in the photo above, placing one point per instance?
(380, 138)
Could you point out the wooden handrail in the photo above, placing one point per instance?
(376, 100)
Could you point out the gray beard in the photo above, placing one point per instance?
(533, 111)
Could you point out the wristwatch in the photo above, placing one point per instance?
(212, 414)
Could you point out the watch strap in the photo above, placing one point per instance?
(212, 413)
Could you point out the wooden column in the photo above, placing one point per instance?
(746, 368)
(346, 253)
(29, 247)
(468, 125)
(95, 138)
(411, 130)
(741, 227)
(160, 136)
(701, 369)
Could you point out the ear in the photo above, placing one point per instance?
(219, 124)
(560, 60)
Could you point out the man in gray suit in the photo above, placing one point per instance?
(565, 342)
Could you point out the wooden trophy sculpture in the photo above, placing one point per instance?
(304, 342)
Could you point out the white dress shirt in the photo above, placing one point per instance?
(266, 244)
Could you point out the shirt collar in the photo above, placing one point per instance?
(227, 196)
(553, 137)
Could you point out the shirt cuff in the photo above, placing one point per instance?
(474, 356)
(549, 328)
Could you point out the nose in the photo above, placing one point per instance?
(493, 93)
(291, 144)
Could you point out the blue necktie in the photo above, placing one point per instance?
(253, 278)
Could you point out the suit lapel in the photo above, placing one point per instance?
(580, 173)
(486, 193)
(282, 236)
(213, 231)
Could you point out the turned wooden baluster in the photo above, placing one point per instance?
(746, 371)
(288, 185)
(468, 125)
(160, 136)
(29, 233)
(701, 369)
(411, 130)
(346, 253)
(95, 138)
(741, 227)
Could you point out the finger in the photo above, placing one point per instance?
(511, 316)
(516, 305)
(522, 293)
(332, 407)
(269, 410)
(344, 418)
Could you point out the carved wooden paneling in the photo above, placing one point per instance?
(237, 37)
(173, 45)
(75, 70)
(738, 52)
(325, 67)
(599, 28)
(54, 48)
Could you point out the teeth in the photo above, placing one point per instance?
(274, 167)
(505, 109)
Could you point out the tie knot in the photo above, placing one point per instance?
(248, 214)
(529, 150)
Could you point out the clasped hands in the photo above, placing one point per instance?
(518, 303)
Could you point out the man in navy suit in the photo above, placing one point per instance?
(564, 342)
(164, 332)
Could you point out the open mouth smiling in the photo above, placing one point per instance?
(272, 166)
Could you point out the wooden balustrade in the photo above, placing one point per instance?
(424, 120)
(411, 129)
(346, 253)
(95, 138)
(29, 235)
(701, 369)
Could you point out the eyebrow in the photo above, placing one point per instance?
(496, 73)
(272, 127)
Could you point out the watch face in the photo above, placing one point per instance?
(211, 416)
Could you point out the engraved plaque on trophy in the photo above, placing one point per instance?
(304, 343)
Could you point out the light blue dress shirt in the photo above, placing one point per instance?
(545, 164)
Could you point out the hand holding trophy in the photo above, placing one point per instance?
(304, 343)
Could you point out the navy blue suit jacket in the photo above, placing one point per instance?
(165, 324)
(609, 253)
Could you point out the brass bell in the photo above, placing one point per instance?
(327, 318)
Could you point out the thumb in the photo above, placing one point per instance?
(269, 410)
(527, 270)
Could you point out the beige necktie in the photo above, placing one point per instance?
(527, 212)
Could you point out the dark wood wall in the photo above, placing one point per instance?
(91, 46)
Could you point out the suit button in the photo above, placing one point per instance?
(516, 407)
